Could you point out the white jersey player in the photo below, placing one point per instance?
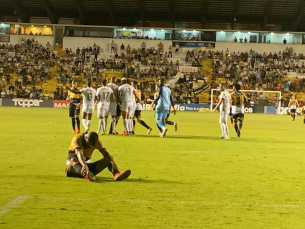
(127, 94)
(225, 105)
(113, 104)
(88, 94)
(104, 95)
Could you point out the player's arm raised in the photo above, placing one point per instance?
(68, 96)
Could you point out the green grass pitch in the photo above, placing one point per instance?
(190, 179)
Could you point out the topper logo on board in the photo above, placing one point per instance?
(27, 102)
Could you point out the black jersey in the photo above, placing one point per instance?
(75, 96)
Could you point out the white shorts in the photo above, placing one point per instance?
(237, 110)
(113, 106)
(89, 109)
(103, 110)
(133, 109)
(139, 107)
(293, 107)
(127, 107)
(223, 117)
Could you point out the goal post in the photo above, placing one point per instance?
(270, 95)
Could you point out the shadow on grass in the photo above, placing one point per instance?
(233, 138)
(139, 180)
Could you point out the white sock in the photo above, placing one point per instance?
(88, 124)
(125, 123)
(84, 121)
(113, 124)
(130, 125)
(100, 125)
(105, 123)
(223, 133)
(225, 128)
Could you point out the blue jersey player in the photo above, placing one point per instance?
(163, 103)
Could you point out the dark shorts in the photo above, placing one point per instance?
(95, 167)
(292, 110)
(118, 111)
(73, 111)
(137, 114)
(239, 117)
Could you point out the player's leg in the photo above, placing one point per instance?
(221, 127)
(74, 168)
(105, 122)
(293, 114)
(156, 117)
(131, 111)
(224, 126)
(162, 124)
(73, 125)
(303, 117)
(84, 120)
(90, 112)
(139, 120)
(113, 112)
(72, 116)
(77, 112)
(235, 116)
(100, 122)
(170, 122)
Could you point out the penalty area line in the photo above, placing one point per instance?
(13, 204)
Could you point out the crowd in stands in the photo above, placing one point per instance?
(256, 71)
(34, 64)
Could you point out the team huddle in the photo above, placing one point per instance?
(118, 98)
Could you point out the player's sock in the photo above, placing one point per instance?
(159, 128)
(125, 123)
(78, 123)
(73, 123)
(169, 123)
(88, 124)
(236, 127)
(222, 130)
(240, 125)
(144, 124)
(84, 121)
(113, 124)
(130, 125)
(304, 121)
(134, 124)
(100, 126)
(225, 129)
(160, 124)
(105, 125)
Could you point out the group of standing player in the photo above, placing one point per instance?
(231, 104)
(118, 98)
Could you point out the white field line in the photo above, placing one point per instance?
(21, 199)
(13, 204)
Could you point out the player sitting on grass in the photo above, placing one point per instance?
(79, 159)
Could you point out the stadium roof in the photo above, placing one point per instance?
(288, 15)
